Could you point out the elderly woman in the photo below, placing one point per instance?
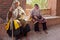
(37, 18)
(16, 23)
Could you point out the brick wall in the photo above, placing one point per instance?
(4, 8)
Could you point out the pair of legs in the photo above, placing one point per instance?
(36, 26)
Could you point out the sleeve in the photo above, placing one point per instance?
(40, 12)
(15, 13)
(31, 12)
(22, 11)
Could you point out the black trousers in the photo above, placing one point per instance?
(36, 26)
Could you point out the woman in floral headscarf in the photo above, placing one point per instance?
(16, 22)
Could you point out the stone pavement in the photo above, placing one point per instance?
(53, 34)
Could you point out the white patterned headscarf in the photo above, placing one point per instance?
(13, 4)
(16, 1)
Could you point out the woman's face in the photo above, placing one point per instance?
(16, 4)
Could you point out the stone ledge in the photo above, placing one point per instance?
(53, 20)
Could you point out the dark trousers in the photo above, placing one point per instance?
(36, 26)
(44, 26)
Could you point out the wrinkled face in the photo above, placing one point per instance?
(16, 4)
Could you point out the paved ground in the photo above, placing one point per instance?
(53, 34)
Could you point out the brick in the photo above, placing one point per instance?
(4, 7)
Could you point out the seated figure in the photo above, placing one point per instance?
(16, 25)
(37, 18)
